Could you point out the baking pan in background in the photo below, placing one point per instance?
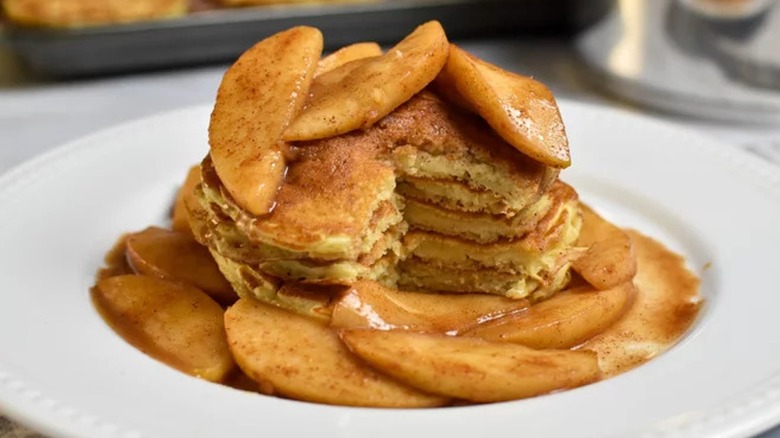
(219, 35)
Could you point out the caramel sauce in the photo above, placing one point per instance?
(118, 321)
(115, 260)
(124, 327)
(666, 305)
(239, 380)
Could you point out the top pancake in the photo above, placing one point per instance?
(329, 203)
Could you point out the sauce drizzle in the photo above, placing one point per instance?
(666, 305)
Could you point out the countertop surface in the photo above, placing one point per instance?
(37, 115)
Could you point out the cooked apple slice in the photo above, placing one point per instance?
(521, 110)
(347, 54)
(368, 304)
(375, 89)
(566, 320)
(610, 259)
(301, 358)
(258, 96)
(174, 255)
(307, 299)
(179, 221)
(331, 78)
(470, 368)
(172, 322)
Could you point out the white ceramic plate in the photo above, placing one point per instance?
(64, 372)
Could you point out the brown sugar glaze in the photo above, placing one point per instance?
(666, 304)
(115, 260)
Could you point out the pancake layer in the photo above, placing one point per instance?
(534, 265)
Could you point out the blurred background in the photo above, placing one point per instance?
(71, 67)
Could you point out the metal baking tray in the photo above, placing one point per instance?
(219, 35)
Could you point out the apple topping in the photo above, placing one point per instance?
(520, 109)
(172, 322)
(374, 89)
(565, 320)
(300, 357)
(610, 258)
(258, 97)
(176, 256)
(346, 54)
(471, 368)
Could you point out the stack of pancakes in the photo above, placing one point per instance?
(429, 198)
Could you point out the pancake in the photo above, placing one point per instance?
(482, 228)
(455, 195)
(405, 201)
(343, 272)
(224, 239)
(252, 283)
(327, 206)
(547, 247)
(420, 276)
(534, 266)
(230, 225)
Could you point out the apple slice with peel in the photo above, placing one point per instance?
(374, 89)
(368, 304)
(174, 255)
(172, 322)
(258, 97)
(302, 358)
(520, 109)
(610, 259)
(470, 368)
(347, 54)
(179, 221)
(566, 320)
